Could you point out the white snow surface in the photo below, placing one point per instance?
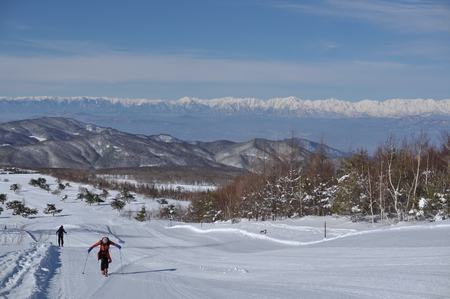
(160, 259)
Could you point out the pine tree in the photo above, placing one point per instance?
(15, 188)
(19, 208)
(126, 196)
(51, 209)
(117, 204)
(3, 198)
(142, 214)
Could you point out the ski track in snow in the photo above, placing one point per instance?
(37, 263)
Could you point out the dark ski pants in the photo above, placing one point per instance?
(103, 262)
(60, 240)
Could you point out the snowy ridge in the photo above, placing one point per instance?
(289, 106)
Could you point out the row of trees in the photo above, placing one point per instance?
(20, 208)
(166, 211)
(122, 198)
(144, 181)
(404, 179)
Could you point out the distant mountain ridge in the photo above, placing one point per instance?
(342, 125)
(55, 142)
(284, 107)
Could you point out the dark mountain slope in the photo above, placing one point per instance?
(66, 143)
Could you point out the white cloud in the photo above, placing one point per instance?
(403, 15)
(113, 67)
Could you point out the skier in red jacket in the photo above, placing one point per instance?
(103, 254)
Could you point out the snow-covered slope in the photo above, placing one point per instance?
(159, 259)
(67, 143)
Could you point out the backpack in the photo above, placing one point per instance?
(60, 231)
(104, 249)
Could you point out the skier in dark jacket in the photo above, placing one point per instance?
(103, 254)
(60, 232)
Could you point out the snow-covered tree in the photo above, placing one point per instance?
(19, 208)
(51, 209)
(142, 214)
(117, 204)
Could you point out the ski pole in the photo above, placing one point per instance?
(68, 243)
(85, 262)
(120, 250)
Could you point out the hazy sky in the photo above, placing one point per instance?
(167, 49)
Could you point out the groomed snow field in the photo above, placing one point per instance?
(163, 259)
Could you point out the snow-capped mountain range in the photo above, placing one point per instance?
(340, 124)
(289, 106)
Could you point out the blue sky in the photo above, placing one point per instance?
(347, 49)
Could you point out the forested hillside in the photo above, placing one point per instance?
(404, 180)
